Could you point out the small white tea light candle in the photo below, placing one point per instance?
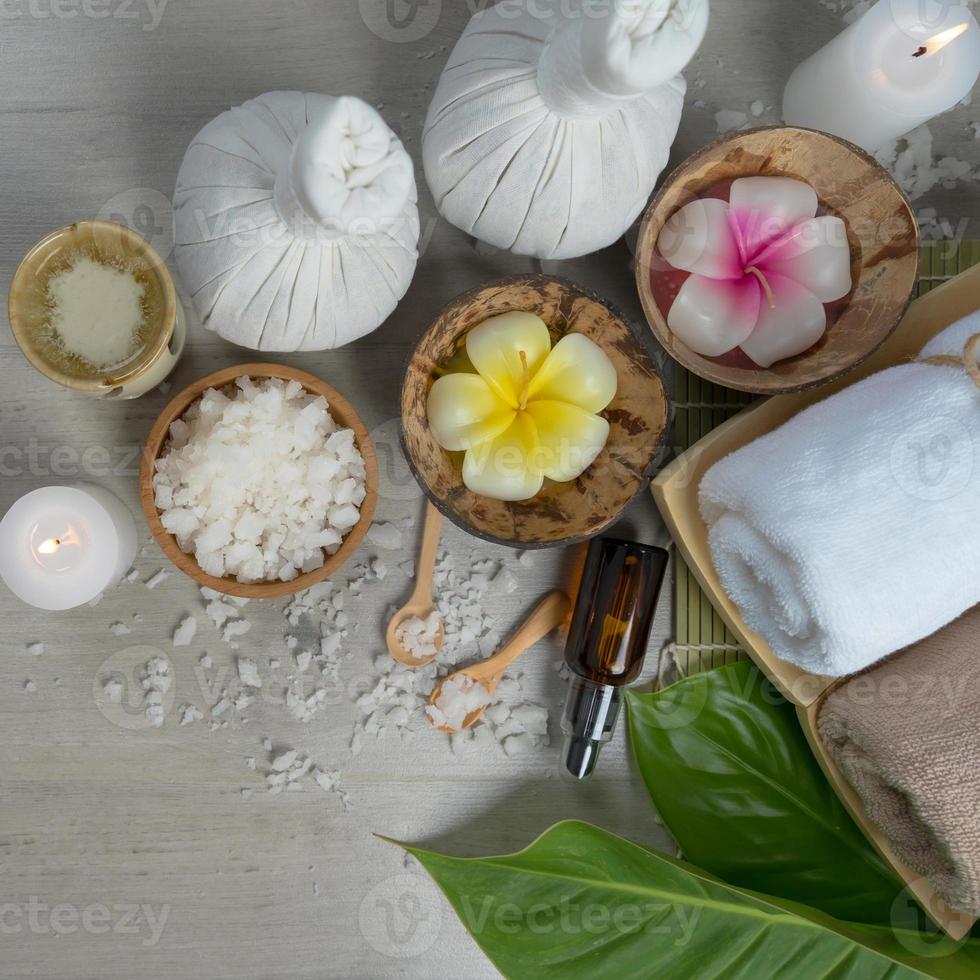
(902, 63)
(60, 547)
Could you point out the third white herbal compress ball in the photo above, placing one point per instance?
(295, 222)
(553, 119)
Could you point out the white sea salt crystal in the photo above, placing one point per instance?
(113, 690)
(233, 629)
(222, 705)
(532, 717)
(303, 659)
(205, 661)
(185, 632)
(155, 715)
(505, 580)
(158, 578)
(387, 536)
(516, 745)
(282, 762)
(188, 714)
(757, 108)
(119, 629)
(250, 762)
(910, 160)
(30, 687)
(248, 672)
(262, 481)
(459, 697)
(497, 713)
(420, 637)
(729, 119)
(35, 649)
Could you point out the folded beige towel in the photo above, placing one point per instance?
(906, 735)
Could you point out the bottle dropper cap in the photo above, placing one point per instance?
(607, 641)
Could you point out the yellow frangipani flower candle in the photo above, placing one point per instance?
(530, 411)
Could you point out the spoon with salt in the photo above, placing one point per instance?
(552, 611)
(420, 605)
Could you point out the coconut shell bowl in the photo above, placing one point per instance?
(344, 415)
(881, 232)
(562, 513)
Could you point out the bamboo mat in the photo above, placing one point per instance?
(702, 639)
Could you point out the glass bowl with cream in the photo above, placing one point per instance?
(93, 307)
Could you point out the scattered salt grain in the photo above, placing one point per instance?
(258, 481)
(113, 690)
(35, 649)
(757, 108)
(248, 672)
(30, 687)
(910, 160)
(459, 697)
(157, 578)
(521, 744)
(189, 713)
(156, 681)
(185, 632)
(303, 659)
(420, 637)
(119, 629)
(387, 536)
(728, 119)
(505, 580)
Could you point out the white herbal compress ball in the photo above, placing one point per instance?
(551, 124)
(295, 222)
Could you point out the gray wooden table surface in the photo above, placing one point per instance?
(99, 99)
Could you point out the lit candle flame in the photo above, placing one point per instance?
(52, 545)
(937, 43)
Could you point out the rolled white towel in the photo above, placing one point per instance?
(854, 529)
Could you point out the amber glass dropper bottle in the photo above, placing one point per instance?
(607, 642)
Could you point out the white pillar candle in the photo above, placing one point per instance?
(60, 547)
(902, 63)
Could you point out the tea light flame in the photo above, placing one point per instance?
(53, 545)
(939, 41)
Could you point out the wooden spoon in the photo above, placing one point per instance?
(420, 604)
(552, 611)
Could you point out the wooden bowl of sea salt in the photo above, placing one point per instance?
(333, 553)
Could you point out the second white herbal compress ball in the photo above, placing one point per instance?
(295, 222)
(553, 119)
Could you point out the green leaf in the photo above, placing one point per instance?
(730, 772)
(581, 902)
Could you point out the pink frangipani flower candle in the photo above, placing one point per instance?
(762, 267)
